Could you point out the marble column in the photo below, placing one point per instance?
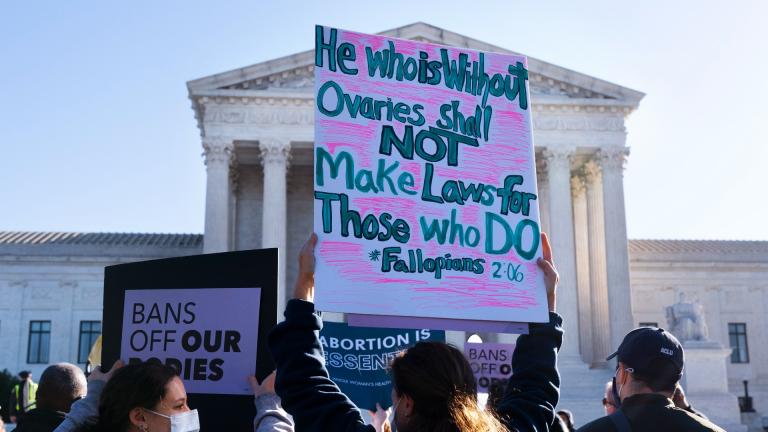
(219, 153)
(456, 338)
(543, 199)
(561, 234)
(616, 252)
(601, 334)
(581, 242)
(275, 154)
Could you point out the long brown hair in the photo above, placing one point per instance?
(136, 385)
(439, 379)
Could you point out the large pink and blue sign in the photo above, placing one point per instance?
(425, 181)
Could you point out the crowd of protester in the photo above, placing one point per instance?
(433, 387)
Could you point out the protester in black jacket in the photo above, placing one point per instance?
(60, 385)
(317, 404)
(650, 365)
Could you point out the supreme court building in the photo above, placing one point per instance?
(257, 133)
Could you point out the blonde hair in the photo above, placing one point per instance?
(439, 380)
(469, 417)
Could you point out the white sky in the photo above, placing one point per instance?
(97, 134)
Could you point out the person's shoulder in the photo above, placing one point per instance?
(40, 419)
(693, 422)
(598, 425)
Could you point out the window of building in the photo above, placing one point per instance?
(38, 349)
(649, 324)
(89, 332)
(737, 334)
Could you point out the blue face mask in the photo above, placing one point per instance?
(184, 422)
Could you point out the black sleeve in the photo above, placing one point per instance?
(533, 390)
(302, 381)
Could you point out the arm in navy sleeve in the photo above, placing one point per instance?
(302, 381)
(534, 388)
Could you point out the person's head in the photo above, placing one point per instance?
(145, 397)
(60, 385)
(558, 425)
(433, 388)
(25, 375)
(567, 418)
(609, 399)
(650, 360)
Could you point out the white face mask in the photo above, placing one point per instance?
(184, 422)
(393, 415)
(616, 389)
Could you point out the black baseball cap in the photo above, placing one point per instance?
(643, 345)
(25, 374)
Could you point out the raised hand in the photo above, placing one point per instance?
(379, 419)
(266, 387)
(547, 265)
(98, 375)
(305, 282)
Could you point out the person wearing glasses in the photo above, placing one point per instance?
(609, 403)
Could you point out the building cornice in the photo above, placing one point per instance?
(698, 265)
(301, 97)
(278, 108)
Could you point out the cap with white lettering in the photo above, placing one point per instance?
(643, 345)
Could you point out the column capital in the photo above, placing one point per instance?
(541, 168)
(613, 157)
(591, 171)
(217, 149)
(578, 186)
(275, 150)
(558, 155)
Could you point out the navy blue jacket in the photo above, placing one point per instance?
(317, 404)
(654, 412)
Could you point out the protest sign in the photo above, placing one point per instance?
(387, 321)
(491, 363)
(208, 316)
(357, 359)
(425, 181)
(208, 335)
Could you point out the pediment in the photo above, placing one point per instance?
(295, 73)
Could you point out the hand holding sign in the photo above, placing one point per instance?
(305, 282)
(551, 277)
(99, 375)
(380, 417)
(266, 387)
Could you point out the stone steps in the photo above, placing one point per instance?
(582, 390)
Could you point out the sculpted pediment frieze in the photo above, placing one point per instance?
(302, 79)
